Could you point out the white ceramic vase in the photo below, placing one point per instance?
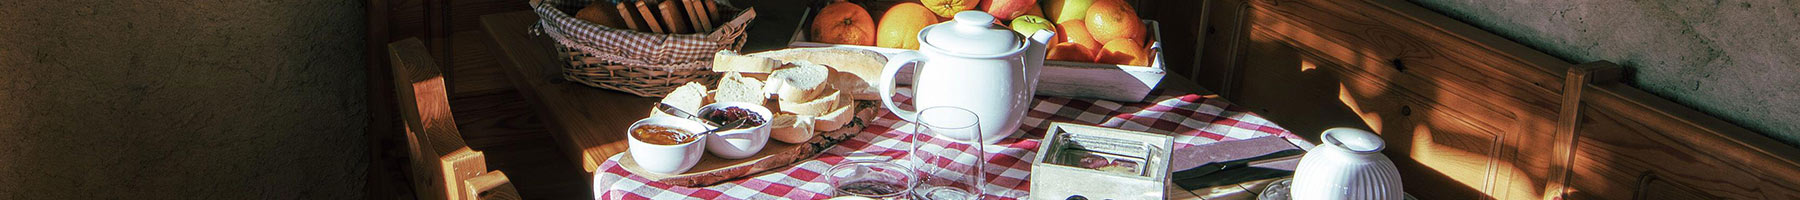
(1348, 165)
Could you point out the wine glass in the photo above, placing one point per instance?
(947, 154)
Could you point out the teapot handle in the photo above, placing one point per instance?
(1353, 139)
(888, 81)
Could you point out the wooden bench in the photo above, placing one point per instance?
(443, 166)
(1471, 115)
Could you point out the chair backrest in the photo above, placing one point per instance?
(442, 164)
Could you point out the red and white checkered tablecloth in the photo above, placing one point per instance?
(1191, 118)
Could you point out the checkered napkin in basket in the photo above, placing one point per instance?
(1193, 119)
(629, 47)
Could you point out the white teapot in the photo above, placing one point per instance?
(972, 63)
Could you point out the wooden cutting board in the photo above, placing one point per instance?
(775, 155)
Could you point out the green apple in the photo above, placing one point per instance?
(1066, 10)
(1029, 24)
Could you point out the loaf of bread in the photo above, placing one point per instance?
(731, 61)
(865, 64)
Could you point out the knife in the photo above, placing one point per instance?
(672, 111)
(1209, 168)
(1236, 171)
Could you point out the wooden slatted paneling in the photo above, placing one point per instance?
(1462, 115)
(1629, 143)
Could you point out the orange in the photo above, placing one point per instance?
(1076, 32)
(843, 23)
(899, 27)
(1069, 52)
(947, 8)
(1124, 52)
(1113, 19)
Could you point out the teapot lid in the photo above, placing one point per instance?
(971, 32)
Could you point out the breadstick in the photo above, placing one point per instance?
(649, 17)
(671, 15)
(630, 17)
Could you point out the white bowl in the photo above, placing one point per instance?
(667, 159)
(742, 142)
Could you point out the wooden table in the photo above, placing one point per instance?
(588, 123)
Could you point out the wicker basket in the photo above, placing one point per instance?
(640, 63)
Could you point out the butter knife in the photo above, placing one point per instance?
(672, 111)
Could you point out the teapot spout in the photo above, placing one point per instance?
(1035, 53)
(1040, 44)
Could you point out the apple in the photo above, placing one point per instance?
(1007, 9)
(1035, 10)
(1065, 10)
(1030, 24)
(947, 8)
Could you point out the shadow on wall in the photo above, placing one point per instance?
(181, 100)
(1739, 60)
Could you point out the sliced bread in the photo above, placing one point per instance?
(854, 87)
(834, 120)
(688, 97)
(735, 87)
(791, 128)
(801, 80)
(814, 106)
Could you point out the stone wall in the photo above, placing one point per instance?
(1736, 59)
(182, 99)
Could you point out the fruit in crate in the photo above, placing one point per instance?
(1030, 24)
(843, 23)
(1110, 20)
(1006, 10)
(1069, 52)
(1066, 10)
(1076, 32)
(947, 8)
(1124, 52)
(900, 25)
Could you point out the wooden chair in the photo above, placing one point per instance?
(443, 166)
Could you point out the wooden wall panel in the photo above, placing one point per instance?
(1470, 115)
(1631, 144)
(1462, 117)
